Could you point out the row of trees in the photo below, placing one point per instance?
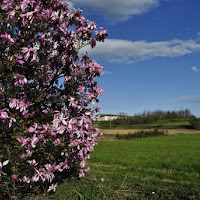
(151, 116)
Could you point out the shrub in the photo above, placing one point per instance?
(46, 87)
(140, 134)
(195, 123)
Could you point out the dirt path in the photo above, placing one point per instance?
(126, 131)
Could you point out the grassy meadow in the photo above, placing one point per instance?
(164, 167)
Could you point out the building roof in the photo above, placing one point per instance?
(110, 115)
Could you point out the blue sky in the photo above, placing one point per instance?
(151, 58)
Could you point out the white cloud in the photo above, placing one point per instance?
(191, 99)
(195, 69)
(70, 5)
(106, 72)
(118, 10)
(125, 51)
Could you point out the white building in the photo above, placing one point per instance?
(107, 117)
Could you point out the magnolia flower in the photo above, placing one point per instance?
(3, 114)
(7, 4)
(8, 37)
(25, 3)
(81, 89)
(5, 118)
(11, 120)
(52, 187)
(1, 90)
(102, 180)
(81, 173)
(57, 142)
(32, 163)
(20, 79)
(35, 178)
(19, 60)
(101, 35)
(14, 177)
(34, 141)
(72, 102)
(26, 179)
(21, 140)
(19, 104)
(49, 176)
(28, 51)
(2, 165)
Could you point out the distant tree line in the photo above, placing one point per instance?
(148, 117)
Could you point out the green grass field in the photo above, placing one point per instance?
(166, 167)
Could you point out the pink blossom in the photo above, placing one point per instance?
(57, 142)
(21, 140)
(102, 180)
(1, 90)
(97, 109)
(46, 111)
(48, 13)
(72, 102)
(26, 179)
(81, 173)
(14, 177)
(81, 89)
(32, 163)
(25, 3)
(20, 79)
(19, 104)
(11, 120)
(34, 141)
(5, 118)
(25, 113)
(29, 52)
(2, 165)
(27, 154)
(3, 114)
(7, 4)
(52, 188)
(8, 37)
(101, 35)
(19, 60)
(35, 178)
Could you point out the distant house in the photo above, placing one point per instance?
(107, 117)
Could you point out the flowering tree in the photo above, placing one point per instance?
(46, 87)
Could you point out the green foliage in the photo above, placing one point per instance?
(140, 134)
(195, 123)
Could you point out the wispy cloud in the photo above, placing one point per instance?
(118, 10)
(106, 72)
(125, 51)
(195, 69)
(191, 99)
(70, 5)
